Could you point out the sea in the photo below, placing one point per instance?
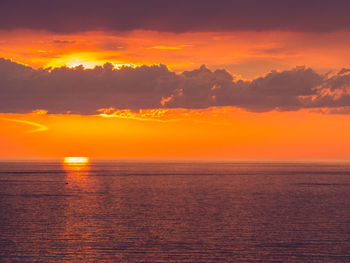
(120, 210)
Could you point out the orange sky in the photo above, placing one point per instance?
(208, 133)
(248, 54)
(177, 133)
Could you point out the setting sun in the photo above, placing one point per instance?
(76, 160)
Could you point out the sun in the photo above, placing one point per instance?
(76, 160)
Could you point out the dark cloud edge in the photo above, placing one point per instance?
(78, 90)
(67, 16)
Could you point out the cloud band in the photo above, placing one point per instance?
(84, 91)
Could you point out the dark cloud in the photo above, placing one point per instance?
(63, 42)
(78, 90)
(334, 93)
(176, 16)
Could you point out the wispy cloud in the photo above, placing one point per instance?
(179, 47)
(38, 127)
(159, 115)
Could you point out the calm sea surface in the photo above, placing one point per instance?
(127, 211)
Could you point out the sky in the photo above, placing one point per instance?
(175, 79)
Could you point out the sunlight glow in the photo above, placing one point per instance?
(76, 160)
(88, 60)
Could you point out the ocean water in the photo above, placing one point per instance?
(175, 211)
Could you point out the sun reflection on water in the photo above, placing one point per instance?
(77, 171)
(76, 164)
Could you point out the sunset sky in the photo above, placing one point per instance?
(175, 79)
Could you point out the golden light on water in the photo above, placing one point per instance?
(77, 171)
(76, 164)
(76, 160)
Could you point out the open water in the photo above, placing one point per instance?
(175, 211)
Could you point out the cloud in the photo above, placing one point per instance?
(85, 91)
(38, 127)
(63, 42)
(66, 16)
(179, 47)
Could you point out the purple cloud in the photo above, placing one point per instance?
(84, 91)
(176, 16)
